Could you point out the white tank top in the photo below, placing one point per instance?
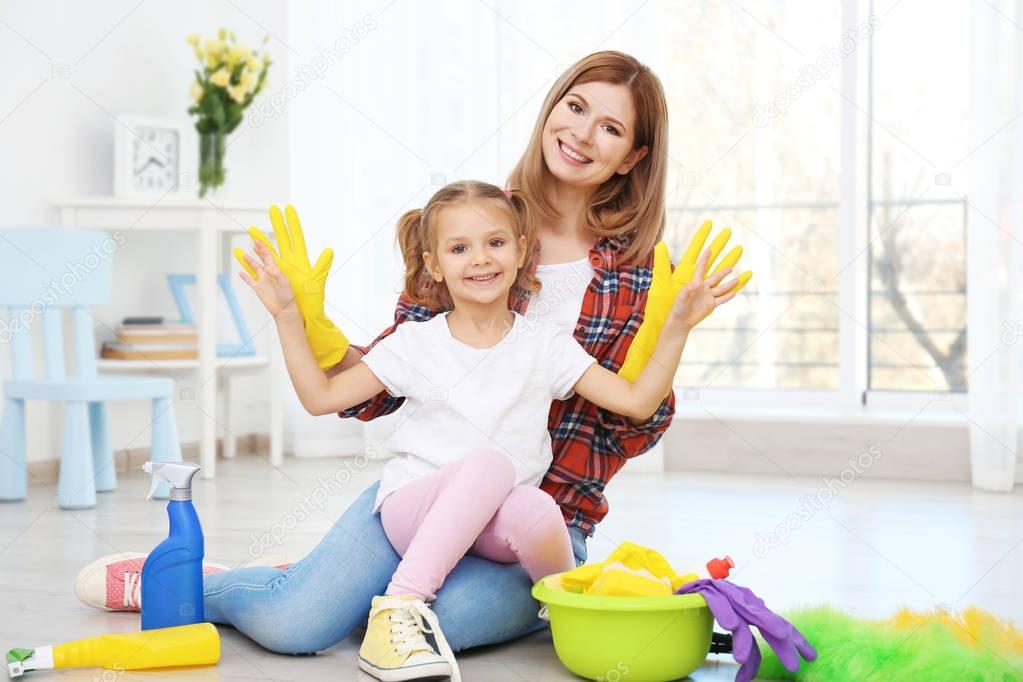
(561, 297)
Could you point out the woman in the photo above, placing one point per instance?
(596, 166)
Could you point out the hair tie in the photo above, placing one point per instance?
(508, 193)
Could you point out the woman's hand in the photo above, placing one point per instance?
(665, 286)
(270, 284)
(701, 296)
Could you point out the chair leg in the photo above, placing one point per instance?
(230, 440)
(13, 471)
(166, 447)
(77, 486)
(102, 453)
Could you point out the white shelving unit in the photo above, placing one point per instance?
(223, 364)
(213, 225)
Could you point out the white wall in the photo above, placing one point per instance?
(67, 68)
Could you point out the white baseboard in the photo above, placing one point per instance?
(910, 451)
(336, 446)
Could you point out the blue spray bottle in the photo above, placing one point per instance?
(172, 574)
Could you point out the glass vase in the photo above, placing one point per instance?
(212, 149)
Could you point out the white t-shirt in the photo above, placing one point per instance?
(459, 399)
(560, 299)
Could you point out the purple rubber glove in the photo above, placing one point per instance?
(736, 608)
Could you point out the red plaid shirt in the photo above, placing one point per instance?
(590, 444)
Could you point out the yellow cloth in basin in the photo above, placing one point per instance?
(631, 571)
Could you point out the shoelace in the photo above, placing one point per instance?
(409, 629)
(132, 581)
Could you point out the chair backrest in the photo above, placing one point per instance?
(42, 271)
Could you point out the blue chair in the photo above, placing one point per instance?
(44, 271)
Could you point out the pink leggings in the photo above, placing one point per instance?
(472, 506)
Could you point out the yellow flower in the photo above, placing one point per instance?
(199, 53)
(222, 77)
(238, 53)
(193, 40)
(237, 92)
(222, 34)
(252, 64)
(248, 81)
(214, 45)
(196, 92)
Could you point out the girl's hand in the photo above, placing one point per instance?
(698, 299)
(271, 285)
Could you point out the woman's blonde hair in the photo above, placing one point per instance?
(417, 234)
(625, 205)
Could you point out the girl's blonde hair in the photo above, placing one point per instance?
(625, 205)
(417, 234)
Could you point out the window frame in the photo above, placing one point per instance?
(853, 400)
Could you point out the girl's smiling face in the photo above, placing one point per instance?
(589, 135)
(477, 254)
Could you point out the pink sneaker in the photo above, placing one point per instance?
(113, 582)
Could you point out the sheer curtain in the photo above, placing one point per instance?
(995, 243)
(386, 103)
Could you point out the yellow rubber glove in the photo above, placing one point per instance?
(666, 285)
(328, 343)
(630, 571)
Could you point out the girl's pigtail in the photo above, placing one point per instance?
(526, 214)
(410, 240)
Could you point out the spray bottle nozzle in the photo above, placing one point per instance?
(178, 474)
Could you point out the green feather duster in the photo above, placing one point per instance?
(855, 650)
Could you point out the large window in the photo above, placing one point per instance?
(756, 135)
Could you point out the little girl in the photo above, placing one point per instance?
(478, 380)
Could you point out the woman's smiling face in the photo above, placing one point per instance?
(590, 134)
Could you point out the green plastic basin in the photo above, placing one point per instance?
(638, 639)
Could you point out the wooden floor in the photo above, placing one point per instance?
(861, 545)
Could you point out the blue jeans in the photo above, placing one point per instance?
(319, 600)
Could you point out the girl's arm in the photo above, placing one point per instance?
(351, 358)
(317, 393)
(639, 400)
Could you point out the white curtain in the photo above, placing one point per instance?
(386, 102)
(995, 242)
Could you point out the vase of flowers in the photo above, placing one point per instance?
(230, 76)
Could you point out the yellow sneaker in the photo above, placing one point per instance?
(395, 647)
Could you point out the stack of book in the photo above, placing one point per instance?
(152, 339)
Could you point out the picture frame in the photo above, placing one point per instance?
(180, 283)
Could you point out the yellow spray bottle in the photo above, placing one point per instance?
(195, 644)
